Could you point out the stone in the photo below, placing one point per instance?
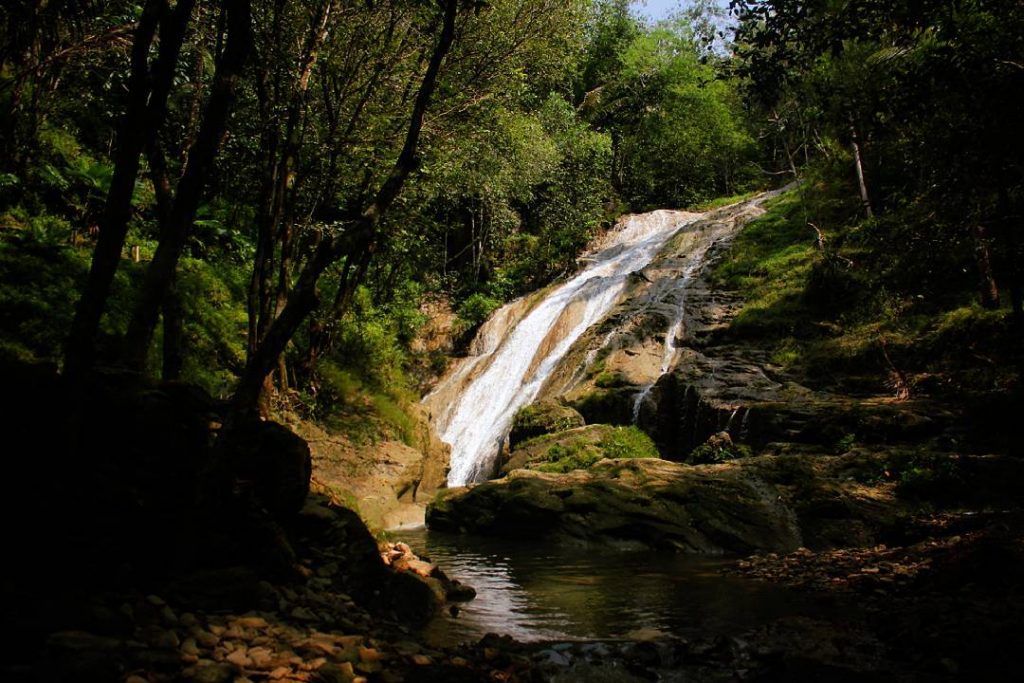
(304, 614)
(239, 658)
(335, 673)
(207, 639)
(261, 657)
(190, 647)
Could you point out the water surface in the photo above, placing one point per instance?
(542, 591)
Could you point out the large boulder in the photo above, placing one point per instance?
(275, 462)
(630, 502)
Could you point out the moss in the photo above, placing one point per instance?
(628, 442)
(583, 451)
(610, 380)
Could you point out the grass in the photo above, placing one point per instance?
(719, 202)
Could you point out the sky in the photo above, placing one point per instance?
(655, 9)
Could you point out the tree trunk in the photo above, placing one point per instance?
(174, 336)
(186, 202)
(79, 348)
(303, 297)
(861, 183)
(987, 289)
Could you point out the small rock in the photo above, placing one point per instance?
(422, 660)
(279, 673)
(261, 657)
(207, 639)
(239, 658)
(303, 614)
(251, 622)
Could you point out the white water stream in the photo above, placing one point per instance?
(480, 418)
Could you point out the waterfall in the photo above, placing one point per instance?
(477, 422)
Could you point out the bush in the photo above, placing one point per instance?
(718, 448)
(476, 309)
(933, 477)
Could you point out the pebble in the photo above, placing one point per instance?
(279, 673)
(239, 658)
(303, 614)
(207, 639)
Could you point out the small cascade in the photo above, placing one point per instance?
(477, 422)
(676, 329)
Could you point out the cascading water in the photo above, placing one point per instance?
(476, 424)
(675, 330)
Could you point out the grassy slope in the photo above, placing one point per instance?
(847, 325)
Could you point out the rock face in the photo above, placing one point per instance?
(628, 502)
(389, 481)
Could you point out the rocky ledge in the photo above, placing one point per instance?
(768, 503)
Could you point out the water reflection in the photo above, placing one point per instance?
(540, 591)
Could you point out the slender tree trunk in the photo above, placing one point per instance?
(987, 289)
(174, 335)
(861, 182)
(276, 229)
(186, 202)
(302, 299)
(80, 348)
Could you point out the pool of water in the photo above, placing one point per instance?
(544, 591)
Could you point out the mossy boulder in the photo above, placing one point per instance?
(543, 417)
(580, 448)
(629, 503)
